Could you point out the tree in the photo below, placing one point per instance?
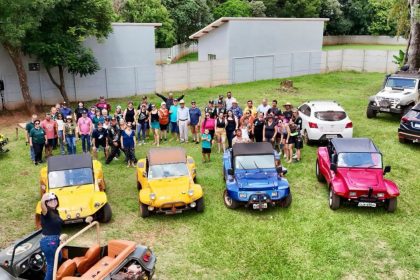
(151, 11)
(380, 23)
(233, 8)
(299, 8)
(258, 8)
(58, 41)
(400, 13)
(17, 18)
(414, 43)
(189, 16)
(338, 24)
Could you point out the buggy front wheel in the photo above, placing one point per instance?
(229, 202)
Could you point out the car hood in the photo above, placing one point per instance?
(391, 93)
(169, 187)
(73, 199)
(261, 180)
(358, 178)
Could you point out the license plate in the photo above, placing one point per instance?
(257, 206)
(331, 136)
(417, 125)
(385, 109)
(366, 204)
(73, 221)
(170, 212)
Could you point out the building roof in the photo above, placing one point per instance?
(156, 25)
(166, 156)
(68, 162)
(223, 20)
(354, 145)
(256, 148)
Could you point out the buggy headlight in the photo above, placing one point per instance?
(68, 216)
(190, 192)
(274, 194)
(193, 204)
(381, 194)
(152, 196)
(242, 195)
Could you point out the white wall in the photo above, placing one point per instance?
(363, 39)
(127, 68)
(359, 60)
(176, 52)
(215, 42)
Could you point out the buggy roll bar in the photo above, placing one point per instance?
(57, 252)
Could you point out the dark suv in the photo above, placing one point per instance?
(409, 129)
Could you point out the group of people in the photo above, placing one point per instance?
(223, 119)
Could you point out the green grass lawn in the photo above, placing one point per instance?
(305, 241)
(190, 57)
(364, 47)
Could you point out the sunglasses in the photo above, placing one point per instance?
(153, 106)
(53, 199)
(207, 115)
(37, 123)
(247, 113)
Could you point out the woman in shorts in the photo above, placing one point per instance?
(154, 123)
(163, 120)
(297, 140)
(220, 129)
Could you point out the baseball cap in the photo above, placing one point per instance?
(113, 119)
(101, 97)
(211, 101)
(220, 102)
(92, 106)
(84, 112)
(144, 97)
(64, 103)
(119, 107)
(192, 101)
(182, 101)
(163, 103)
(220, 95)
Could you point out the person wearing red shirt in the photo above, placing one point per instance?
(102, 104)
(51, 132)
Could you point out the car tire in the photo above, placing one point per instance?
(306, 138)
(38, 221)
(319, 175)
(371, 113)
(285, 202)
(105, 213)
(334, 200)
(402, 140)
(144, 210)
(200, 205)
(229, 202)
(391, 205)
(406, 109)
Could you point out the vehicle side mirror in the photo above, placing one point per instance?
(145, 174)
(279, 169)
(230, 171)
(387, 169)
(333, 167)
(334, 158)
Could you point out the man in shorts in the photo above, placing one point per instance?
(195, 117)
(51, 132)
(99, 138)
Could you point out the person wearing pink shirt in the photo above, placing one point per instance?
(84, 125)
(208, 123)
(50, 128)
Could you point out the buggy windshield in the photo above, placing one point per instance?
(70, 178)
(361, 160)
(168, 170)
(254, 162)
(331, 116)
(401, 83)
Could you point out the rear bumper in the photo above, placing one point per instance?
(316, 135)
(409, 135)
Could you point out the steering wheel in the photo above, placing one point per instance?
(36, 261)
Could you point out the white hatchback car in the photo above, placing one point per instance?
(323, 120)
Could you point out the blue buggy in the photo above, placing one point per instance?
(254, 177)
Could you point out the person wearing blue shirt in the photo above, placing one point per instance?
(195, 120)
(206, 145)
(173, 113)
(236, 110)
(65, 110)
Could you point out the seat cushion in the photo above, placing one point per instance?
(100, 266)
(66, 269)
(89, 259)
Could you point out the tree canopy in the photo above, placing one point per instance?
(233, 8)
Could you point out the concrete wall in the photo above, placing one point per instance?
(127, 68)
(363, 39)
(215, 42)
(183, 76)
(176, 52)
(359, 60)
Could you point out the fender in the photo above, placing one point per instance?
(338, 187)
(407, 102)
(391, 188)
(372, 98)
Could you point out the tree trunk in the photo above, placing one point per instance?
(62, 86)
(16, 56)
(414, 57)
(406, 50)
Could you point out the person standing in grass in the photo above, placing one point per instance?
(169, 102)
(128, 144)
(210, 109)
(264, 107)
(60, 127)
(70, 135)
(250, 106)
(37, 139)
(118, 113)
(78, 111)
(65, 110)
(173, 112)
(129, 114)
(232, 125)
(97, 118)
(99, 138)
(183, 121)
(236, 110)
(50, 128)
(220, 129)
(258, 127)
(28, 128)
(163, 120)
(269, 130)
(206, 145)
(154, 123)
(102, 104)
(288, 114)
(296, 140)
(142, 121)
(114, 139)
(148, 108)
(91, 113)
(84, 125)
(229, 101)
(208, 123)
(195, 117)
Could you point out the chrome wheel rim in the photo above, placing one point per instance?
(228, 200)
(331, 195)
